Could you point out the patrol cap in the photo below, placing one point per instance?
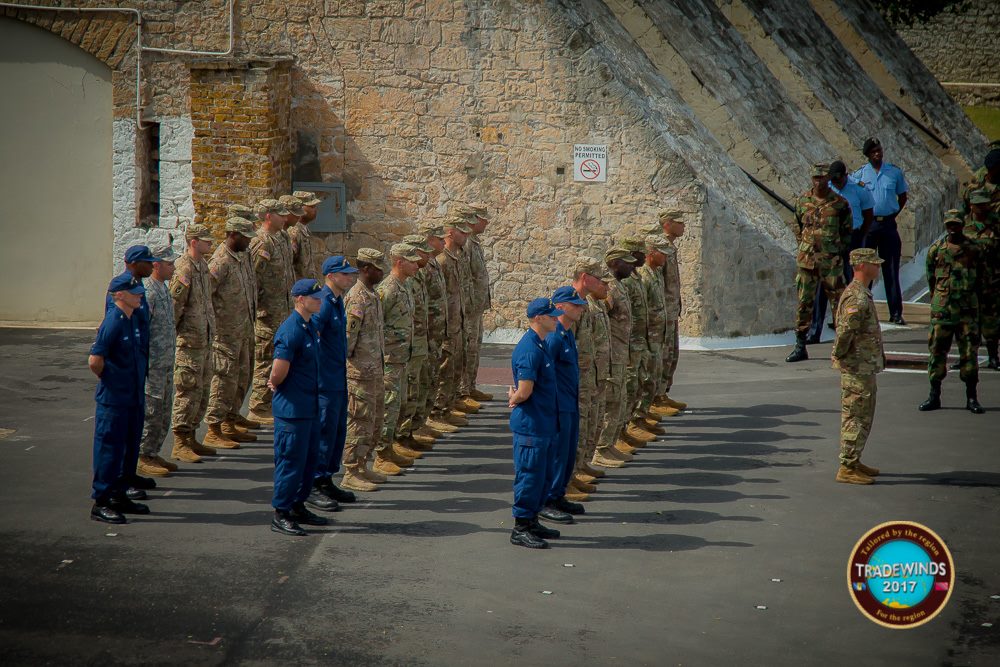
(126, 282)
(430, 228)
(241, 211)
(820, 169)
(198, 231)
(165, 253)
(864, 256)
(240, 225)
(292, 204)
(871, 143)
(953, 215)
(542, 306)
(619, 253)
(371, 256)
(658, 242)
(272, 206)
(992, 158)
(418, 241)
(979, 197)
(404, 251)
(669, 214)
(591, 267)
(139, 253)
(479, 209)
(462, 210)
(307, 198)
(306, 287)
(337, 264)
(631, 244)
(566, 294)
(459, 223)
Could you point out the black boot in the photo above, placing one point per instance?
(971, 401)
(991, 349)
(334, 492)
(933, 401)
(799, 353)
(523, 536)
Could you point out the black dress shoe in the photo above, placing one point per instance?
(523, 537)
(569, 507)
(321, 501)
(972, 405)
(135, 493)
(281, 523)
(898, 320)
(544, 532)
(812, 340)
(141, 482)
(128, 506)
(555, 515)
(340, 495)
(106, 514)
(300, 514)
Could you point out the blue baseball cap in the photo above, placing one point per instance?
(126, 282)
(337, 264)
(139, 253)
(566, 294)
(306, 287)
(543, 306)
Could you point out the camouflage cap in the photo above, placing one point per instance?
(292, 203)
(480, 209)
(619, 253)
(418, 241)
(631, 244)
(241, 226)
(404, 251)
(461, 210)
(669, 214)
(458, 222)
(241, 211)
(864, 256)
(591, 267)
(200, 232)
(980, 197)
(272, 206)
(163, 252)
(307, 198)
(430, 228)
(820, 169)
(658, 242)
(371, 256)
(953, 215)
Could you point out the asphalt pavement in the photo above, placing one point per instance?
(725, 542)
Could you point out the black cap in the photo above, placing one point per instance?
(992, 159)
(837, 169)
(870, 143)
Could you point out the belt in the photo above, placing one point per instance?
(885, 218)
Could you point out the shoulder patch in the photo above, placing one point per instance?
(183, 279)
(265, 254)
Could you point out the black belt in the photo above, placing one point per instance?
(885, 218)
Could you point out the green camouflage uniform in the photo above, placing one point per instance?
(397, 317)
(160, 377)
(194, 317)
(979, 182)
(858, 353)
(672, 309)
(824, 234)
(619, 311)
(639, 352)
(986, 236)
(437, 333)
(953, 276)
(656, 326)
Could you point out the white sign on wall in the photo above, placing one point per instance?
(590, 163)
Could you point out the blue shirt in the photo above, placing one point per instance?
(885, 186)
(141, 314)
(538, 415)
(859, 198)
(331, 325)
(120, 342)
(561, 346)
(297, 342)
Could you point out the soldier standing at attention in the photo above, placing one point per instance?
(858, 354)
(533, 422)
(416, 392)
(651, 276)
(160, 377)
(954, 273)
(982, 226)
(437, 334)
(272, 267)
(453, 349)
(986, 178)
(294, 380)
(246, 376)
(636, 433)
(365, 368)
(480, 301)
(303, 255)
(234, 295)
(824, 220)
(191, 290)
(671, 222)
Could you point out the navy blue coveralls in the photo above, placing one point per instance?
(561, 347)
(331, 325)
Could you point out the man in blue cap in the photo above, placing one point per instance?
(534, 423)
(561, 346)
(118, 359)
(331, 325)
(294, 381)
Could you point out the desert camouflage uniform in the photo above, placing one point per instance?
(365, 363)
(416, 389)
(397, 318)
(672, 311)
(824, 235)
(656, 327)
(194, 317)
(619, 312)
(639, 352)
(479, 301)
(271, 257)
(234, 298)
(160, 376)
(303, 254)
(437, 333)
(594, 352)
(953, 276)
(453, 348)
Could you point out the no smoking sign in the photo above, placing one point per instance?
(590, 163)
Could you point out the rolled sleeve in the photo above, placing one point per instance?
(284, 347)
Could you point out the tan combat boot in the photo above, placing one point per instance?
(456, 420)
(481, 395)
(148, 465)
(215, 438)
(440, 424)
(676, 405)
(653, 426)
(401, 450)
(464, 407)
(663, 410)
(355, 482)
(172, 467)
(575, 496)
(580, 485)
(584, 477)
(182, 450)
(261, 419)
(385, 466)
(371, 475)
(638, 433)
(853, 476)
(423, 438)
(243, 422)
(201, 449)
(624, 447)
(233, 432)
(632, 442)
(411, 442)
(867, 470)
(593, 472)
(600, 459)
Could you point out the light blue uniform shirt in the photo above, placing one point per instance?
(885, 185)
(859, 198)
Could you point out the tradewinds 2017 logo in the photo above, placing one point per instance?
(900, 574)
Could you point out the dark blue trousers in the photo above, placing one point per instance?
(884, 237)
(563, 453)
(296, 446)
(820, 303)
(332, 433)
(117, 431)
(533, 471)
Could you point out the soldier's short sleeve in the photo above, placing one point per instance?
(180, 291)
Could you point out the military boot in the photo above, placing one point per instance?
(354, 481)
(868, 470)
(523, 536)
(215, 438)
(480, 395)
(260, 419)
(425, 435)
(663, 411)
(799, 352)
(462, 407)
(853, 476)
(411, 442)
(635, 431)
(148, 465)
(677, 405)
(602, 460)
(624, 447)
(243, 422)
(455, 419)
(401, 450)
(584, 477)
(593, 472)
(232, 431)
(183, 450)
(201, 449)
(933, 401)
(653, 426)
(470, 402)
(172, 467)
(385, 466)
(440, 424)
(576, 496)
(991, 350)
(971, 400)
(581, 485)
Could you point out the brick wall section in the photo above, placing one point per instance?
(240, 152)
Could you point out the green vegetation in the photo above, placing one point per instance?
(986, 119)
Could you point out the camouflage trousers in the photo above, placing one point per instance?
(416, 395)
(394, 384)
(473, 344)
(159, 403)
(192, 379)
(635, 375)
(653, 384)
(231, 363)
(989, 313)
(431, 373)
(671, 350)
(365, 414)
(966, 334)
(591, 401)
(829, 275)
(450, 372)
(263, 357)
(613, 415)
(857, 411)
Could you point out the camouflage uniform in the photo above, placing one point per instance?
(303, 253)
(619, 311)
(672, 312)
(979, 182)
(986, 236)
(953, 276)
(194, 317)
(656, 327)
(479, 293)
(453, 348)
(397, 314)
(639, 352)
(857, 352)
(824, 235)
(272, 266)
(416, 384)
(160, 376)
(437, 333)
(365, 359)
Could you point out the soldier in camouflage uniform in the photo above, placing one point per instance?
(397, 314)
(982, 226)
(234, 295)
(986, 178)
(365, 364)
(858, 354)
(453, 268)
(480, 300)
(463, 402)
(954, 275)
(303, 254)
(636, 433)
(671, 223)
(437, 334)
(416, 390)
(160, 376)
(271, 257)
(191, 291)
(824, 220)
(651, 275)
(243, 384)
(621, 262)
